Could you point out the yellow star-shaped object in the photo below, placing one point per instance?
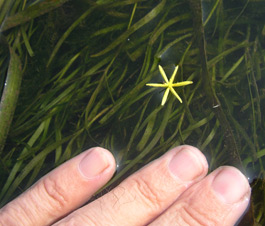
(169, 84)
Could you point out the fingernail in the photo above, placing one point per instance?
(186, 165)
(94, 163)
(231, 185)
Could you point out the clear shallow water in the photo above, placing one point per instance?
(85, 86)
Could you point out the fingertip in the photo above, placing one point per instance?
(231, 185)
(189, 158)
(96, 161)
(232, 190)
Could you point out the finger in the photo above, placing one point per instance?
(147, 193)
(62, 190)
(219, 199)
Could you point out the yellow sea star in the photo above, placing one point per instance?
(169, 84)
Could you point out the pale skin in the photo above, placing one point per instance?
(171, 190)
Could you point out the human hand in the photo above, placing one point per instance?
(171, 190)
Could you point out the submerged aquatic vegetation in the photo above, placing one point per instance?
(85, 66)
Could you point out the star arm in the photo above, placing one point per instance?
(185, 83)
(176, 95)
(163, 73)
(174, 74)
(157, 85)
(165, 97)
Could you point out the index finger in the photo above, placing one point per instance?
(61, 191)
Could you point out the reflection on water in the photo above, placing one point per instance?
(86, 67)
